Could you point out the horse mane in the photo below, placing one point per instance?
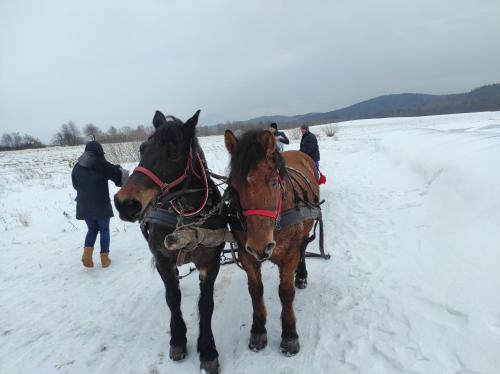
(249, 153)
(168, 131)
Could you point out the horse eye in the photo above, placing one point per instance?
(274, 183)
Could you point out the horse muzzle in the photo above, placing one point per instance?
(264, 254)
(129, 209)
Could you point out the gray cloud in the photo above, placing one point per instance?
(115, 62)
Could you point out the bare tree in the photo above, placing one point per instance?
(92, 131)
(31, 142)
(17, 140)
(7, 140)
(112, 134)
(68, 135)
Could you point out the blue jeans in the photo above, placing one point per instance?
(317, 169)
(98, 226)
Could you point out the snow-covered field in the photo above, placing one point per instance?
(412, 223)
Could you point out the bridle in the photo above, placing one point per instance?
(269, 213)
(167, 187)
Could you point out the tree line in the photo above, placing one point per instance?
(16, 140)
(70, 135)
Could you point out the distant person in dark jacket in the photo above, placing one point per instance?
(309, 145)
(90, 179)
(280, 136)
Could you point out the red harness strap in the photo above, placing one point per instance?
(267, 213)
(205, 193)
(168, 186)
(163, 186)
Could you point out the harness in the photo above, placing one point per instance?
(165, 188)
(302, 211)
(269, 213)
(165, 211)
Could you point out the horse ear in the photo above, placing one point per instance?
(268, 142)
(158, 119)
(189, 127)
(231, 142)
(193, 121)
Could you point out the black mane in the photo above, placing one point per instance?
(249, 153)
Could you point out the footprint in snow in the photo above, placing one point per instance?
(431, 181)
(444, 314)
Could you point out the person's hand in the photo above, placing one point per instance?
(125, 175)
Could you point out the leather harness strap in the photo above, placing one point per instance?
(163, 186)
(166, 187)
(268, 213)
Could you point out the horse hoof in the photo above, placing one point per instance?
(210, 366)
(301, 283)
(178, 352)
(290, 346)
(257, 342)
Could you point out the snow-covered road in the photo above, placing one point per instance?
(412, 223)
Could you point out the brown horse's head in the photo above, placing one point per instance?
(164, 154)
(256, 169)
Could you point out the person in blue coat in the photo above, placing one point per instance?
(90, 178)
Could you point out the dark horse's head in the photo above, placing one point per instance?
(256, 169)
(165, 154)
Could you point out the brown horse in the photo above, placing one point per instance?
(264, 187)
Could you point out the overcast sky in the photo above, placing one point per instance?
(116, 62)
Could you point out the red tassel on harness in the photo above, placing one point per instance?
(322, 179)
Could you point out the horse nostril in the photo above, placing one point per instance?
(249, 249)
(132, 205)
(128, 208)
(270, 248)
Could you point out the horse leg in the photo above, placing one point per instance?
(258, 333)
(301, 272)
(289, 339)
(169, 274)
(209, 361)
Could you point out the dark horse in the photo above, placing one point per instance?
(261, 177)
(172, 175)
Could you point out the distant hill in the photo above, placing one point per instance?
(486, 98)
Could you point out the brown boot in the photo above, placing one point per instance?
(87, 257)
(105, 261)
